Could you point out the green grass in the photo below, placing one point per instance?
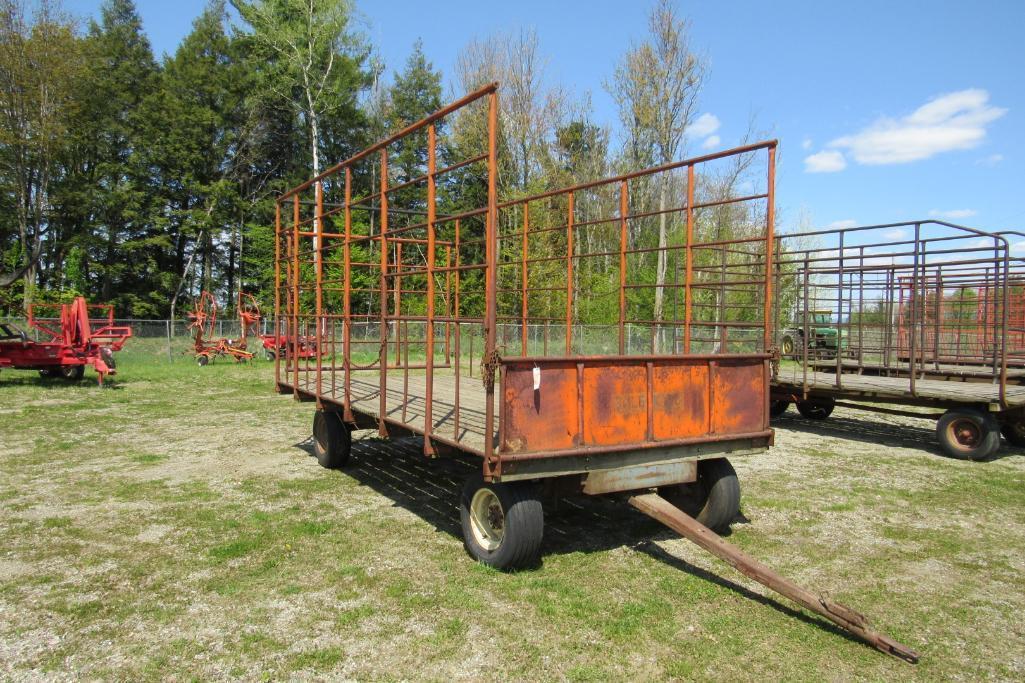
(172, 524)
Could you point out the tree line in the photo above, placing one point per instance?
(141, 181)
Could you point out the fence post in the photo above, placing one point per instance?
(169, 358)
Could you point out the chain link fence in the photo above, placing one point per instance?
(170, 341)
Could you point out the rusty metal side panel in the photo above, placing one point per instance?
(681, 400)
(594, 403)
(738, 403)
(614, 405)
(541, 420)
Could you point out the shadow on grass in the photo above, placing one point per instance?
(30, 378)
(430, 489)
(856, 425)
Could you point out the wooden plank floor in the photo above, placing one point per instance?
(868, 386)
(406, 402)
(951, 370)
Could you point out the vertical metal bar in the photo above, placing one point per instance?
(397, 286)
(861, 310)
(624, 207)
(569, 276)
(523, 281)
(839, 312)
(277, 292)
(770, 229)
(914, 307)
(939, 316)
(383, 382)
(459, 353)
(448, 304)
(491, 268)
(319, 290)
(294, 360)
(804, 323)
(689, 257)
(347, 299)
(431, 247)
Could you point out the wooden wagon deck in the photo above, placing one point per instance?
(965, 373)
(898, 389)
(406, 403)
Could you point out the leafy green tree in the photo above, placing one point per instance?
(39, 65)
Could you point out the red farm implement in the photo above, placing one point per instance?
(585, 381)
(204, 321)
(71, 341)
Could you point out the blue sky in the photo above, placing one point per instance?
(885, 111)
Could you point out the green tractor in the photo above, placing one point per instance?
(822, 342)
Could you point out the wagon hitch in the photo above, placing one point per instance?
(851, 621)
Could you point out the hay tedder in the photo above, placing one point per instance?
(204, 321)
(71, 343)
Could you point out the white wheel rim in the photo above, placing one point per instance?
(487, 519)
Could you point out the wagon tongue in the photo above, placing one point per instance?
(853, 622)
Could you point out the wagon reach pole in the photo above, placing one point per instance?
(660, 509)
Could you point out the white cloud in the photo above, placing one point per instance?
(826, 161)
(806, 143)
(955, 121)
(842, 225)
(896, 234)
(991, 160)
(703, 126)
(953, 214)
(711, 141)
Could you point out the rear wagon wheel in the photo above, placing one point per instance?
(332, 440)
(503, 524)
(778, 407)
(1014, 432)
(817, 408)
(714, 499)
(73, 373)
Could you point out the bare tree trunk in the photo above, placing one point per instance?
(660, 269)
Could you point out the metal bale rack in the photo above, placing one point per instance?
(522, 332)
(907, 314)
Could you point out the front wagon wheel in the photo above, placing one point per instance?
(968, 434)
(502, 523)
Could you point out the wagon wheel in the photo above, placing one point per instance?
(503, 524)
(1014, 432)
(270, 354)
(787, 345)
(47, 373)
(778, 407)
(332, 440)
(202, 360)
(72, 373)
(968, 433)
(714, 499)
(816, 408)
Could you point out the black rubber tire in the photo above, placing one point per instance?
(714, 499)
(332, 440)
(72, 373)
(1014, 432)
(818, 408)
(270, 354)
(787, 345)
(522, 523)
(968, 433)
(778, 407)
(46, 373)
(202, 361)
